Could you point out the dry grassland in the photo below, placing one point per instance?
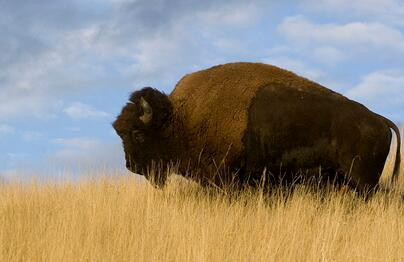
(121, 219)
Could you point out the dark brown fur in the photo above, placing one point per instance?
(230, 122)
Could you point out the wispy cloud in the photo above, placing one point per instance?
(382, 91)
(30, 136)
(81, 111)
(77, 142)
(356, 35)
(55, 51)
(329, 55)
(297, 66)
(385, 86)
(6, 129)
(84, 152)
(239, 14)
(389, 11)
(15, 103)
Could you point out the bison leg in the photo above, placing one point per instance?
(363, 174)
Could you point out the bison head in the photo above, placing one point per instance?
(142, 126)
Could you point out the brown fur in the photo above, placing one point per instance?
(217, 99)
(154, 146)
(245, 117)
(296, 131)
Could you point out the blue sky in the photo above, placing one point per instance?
(67, 67)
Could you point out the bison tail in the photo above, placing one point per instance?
(396, 170)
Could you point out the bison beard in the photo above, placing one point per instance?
(231, 122)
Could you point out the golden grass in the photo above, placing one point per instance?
(122, 219)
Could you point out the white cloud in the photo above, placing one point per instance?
(73, 129)
(16, 155)
(240, 14)
(328, 55)
(389, 11)
(382, 91)
(117, 2)
(6, 129)
(87, 153)
(229, 45)
(296, 66)
(30, 136)
(80, 111)
(311, 66)
(357, 35)
(34, 86)
(161, 60)
(158, 53)
(73, 61)
(323, 54)
(189, 42)
(381, 87)
(17, 102)
(364, 5)
(77, 143)
(135, 43)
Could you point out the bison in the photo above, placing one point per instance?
(233, 121)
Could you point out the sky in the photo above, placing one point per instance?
(68, 67)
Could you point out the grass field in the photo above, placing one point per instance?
(118, 218)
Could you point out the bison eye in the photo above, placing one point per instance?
(138, 136)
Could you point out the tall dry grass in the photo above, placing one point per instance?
(122, 219)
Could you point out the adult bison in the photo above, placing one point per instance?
(233, 121)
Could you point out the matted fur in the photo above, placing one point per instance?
(216, 101)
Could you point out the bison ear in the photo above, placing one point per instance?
(147, 111)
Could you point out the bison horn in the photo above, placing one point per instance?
(147, 111)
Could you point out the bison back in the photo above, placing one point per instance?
(214, 105)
